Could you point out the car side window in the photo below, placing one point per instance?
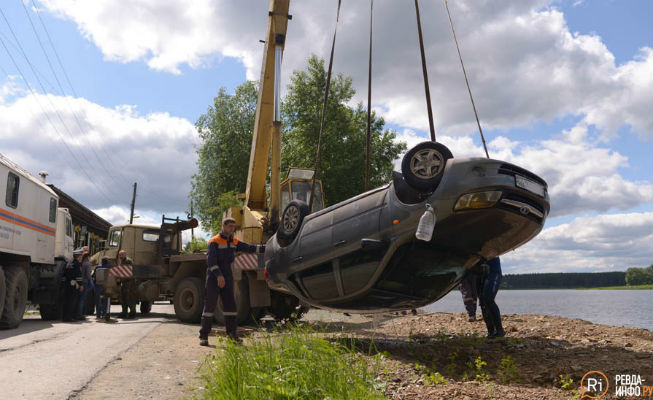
(13, 184)
(53, 209)
(69, 228)
(114, 240)
(150, 236)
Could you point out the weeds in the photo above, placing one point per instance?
(294, 365)
(478, 369)
(450, 368)
(431, 378)
(566, 384)
(508, 371)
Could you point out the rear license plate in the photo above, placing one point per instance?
(529, 185)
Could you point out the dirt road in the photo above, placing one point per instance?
(53, 360)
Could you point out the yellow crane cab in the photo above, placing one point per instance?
(297, 186)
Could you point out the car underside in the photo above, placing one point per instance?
(362, 255)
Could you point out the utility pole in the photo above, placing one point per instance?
(192, 230)
(131, 215)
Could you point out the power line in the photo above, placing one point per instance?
(63, 92)
(65, 74)
(29, 63)
(50, 120)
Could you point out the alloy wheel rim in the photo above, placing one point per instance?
(426, 164)
(291, 219)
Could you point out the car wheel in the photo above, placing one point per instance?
(423, 165)
(146, 307)
(189, 299)
(291, 221)
(15, 298)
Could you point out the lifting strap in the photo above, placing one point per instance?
(427, 91)
(369, 107)
(324, 108)
(446, 5)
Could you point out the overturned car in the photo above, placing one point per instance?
(362, 254)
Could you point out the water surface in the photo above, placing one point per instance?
(609, 307)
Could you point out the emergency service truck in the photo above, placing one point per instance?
(36, 239)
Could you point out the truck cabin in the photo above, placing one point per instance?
(297, 186)
(145, 245)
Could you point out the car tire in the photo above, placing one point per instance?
(189, 299)
(15, 297)
(423, 165)
(146, 307)
(291, 221)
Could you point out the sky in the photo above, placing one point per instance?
(105, 93)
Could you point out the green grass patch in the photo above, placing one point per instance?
(293, 364)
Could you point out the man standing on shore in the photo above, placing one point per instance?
(487, 292)
(469, 289)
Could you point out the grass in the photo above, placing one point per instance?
(294, 364)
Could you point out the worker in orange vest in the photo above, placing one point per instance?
(220, 280)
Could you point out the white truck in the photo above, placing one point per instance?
(36, 239)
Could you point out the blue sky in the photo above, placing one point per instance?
(563, 88)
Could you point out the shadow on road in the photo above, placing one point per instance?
(27, 326)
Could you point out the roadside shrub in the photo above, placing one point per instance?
(295, 364)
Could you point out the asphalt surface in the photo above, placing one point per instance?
(55, 360)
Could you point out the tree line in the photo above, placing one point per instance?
(226, 129)
(566, 280)
(563, 280)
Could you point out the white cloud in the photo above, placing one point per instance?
(586, 244)
(115, 148)
(523, 62)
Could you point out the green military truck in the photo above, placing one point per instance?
(162, 271)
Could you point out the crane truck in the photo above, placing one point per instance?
(161, 270)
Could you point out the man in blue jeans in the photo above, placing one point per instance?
(100, 299)
(488, 288)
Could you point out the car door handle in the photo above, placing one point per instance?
(298, 259)
(340, 243)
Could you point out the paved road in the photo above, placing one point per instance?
(54, 360)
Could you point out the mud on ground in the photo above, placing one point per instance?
(540, 355)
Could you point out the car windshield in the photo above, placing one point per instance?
(301, 190)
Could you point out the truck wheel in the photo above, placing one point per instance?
(146, 307)
(15, 298)
(189, 300)
(284, 306)
(3, 290)
(423, 165)
(50, 312)
(291, 221)
(243, 310)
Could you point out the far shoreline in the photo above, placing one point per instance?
(625, 287)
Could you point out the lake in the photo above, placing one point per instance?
(609, 307)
